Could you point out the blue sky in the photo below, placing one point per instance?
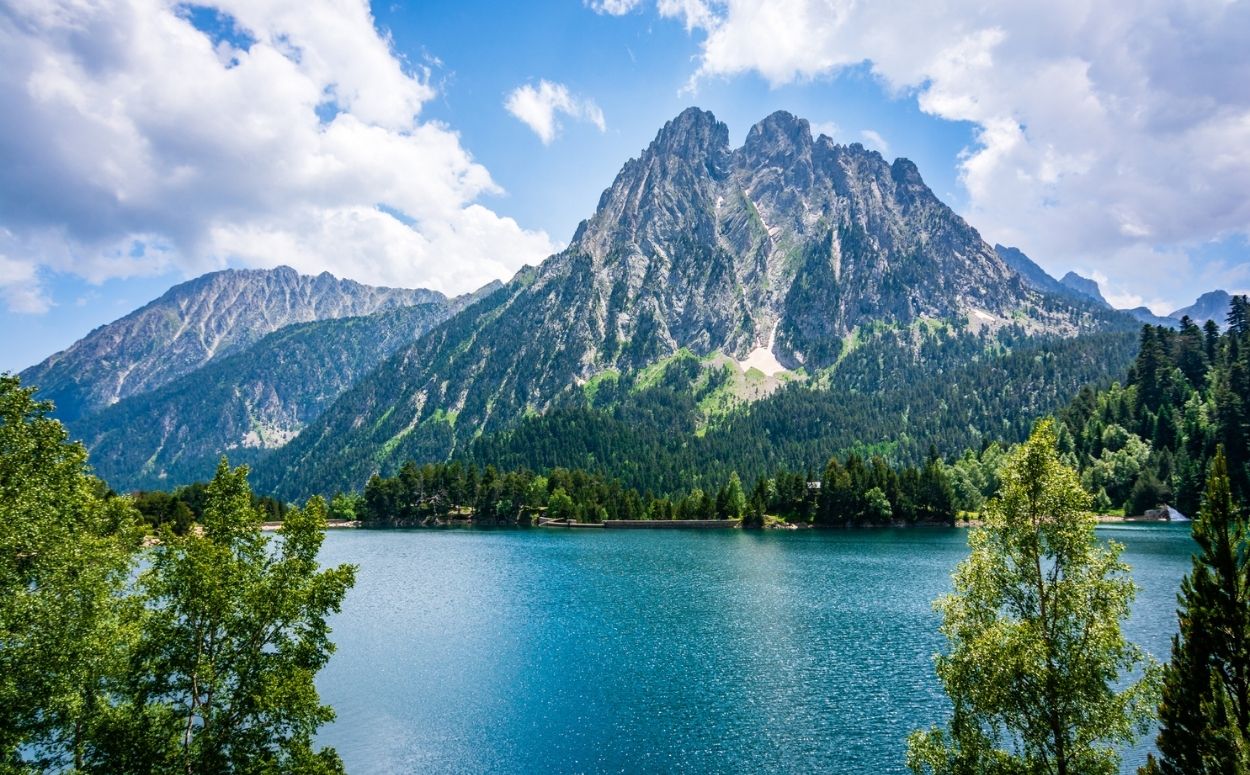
(154, 141)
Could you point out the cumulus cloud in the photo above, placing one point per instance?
(875, 141)
(142, 136)
(19, 287)
(1106, 133)
(693, 13)
(538, 108)
(613, 7)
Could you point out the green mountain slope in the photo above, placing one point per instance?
(889, 397)
(245, 403)
(788, 252)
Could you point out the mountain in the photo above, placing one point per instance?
(248, 402)
(1032, 274)
(1144, 315)
(778, 259)
(194, 322)
(1072, 286)
(1213, 305)
(1084, 286)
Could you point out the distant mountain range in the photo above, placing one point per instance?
(249, 402)
(723, 307)
(1213, 305)
(194, 322)
(1210, 306)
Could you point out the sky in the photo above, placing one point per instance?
(446, 144)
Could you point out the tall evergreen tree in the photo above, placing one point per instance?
(1205, 712)
(731, 502)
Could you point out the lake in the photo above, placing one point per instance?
(537, 651)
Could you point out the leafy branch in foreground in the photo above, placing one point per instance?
(205, 664)
(222, 675)
(1035, 648)
(65, 555)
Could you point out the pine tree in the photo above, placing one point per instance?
(1205, 712)
(731, 502)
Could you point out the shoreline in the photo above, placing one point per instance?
(336, 524)
(686, 524)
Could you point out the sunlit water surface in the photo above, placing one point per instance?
(554, 651)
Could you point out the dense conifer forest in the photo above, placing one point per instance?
(650, 444)
(896, 394)
(1151, 440)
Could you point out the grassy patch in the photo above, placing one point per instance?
(591, 388)
(650, 376)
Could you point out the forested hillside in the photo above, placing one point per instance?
(1151, 439)
(896, 395)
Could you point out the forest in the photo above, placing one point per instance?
(896, 394)
(1138, 444)
(1151, 439)
(859, 491)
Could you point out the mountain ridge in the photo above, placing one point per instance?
(210, 316)
(1212, 305)
(694, 245)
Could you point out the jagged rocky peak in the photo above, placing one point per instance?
(906, 173)
(654, 193)
(779, 138)
(208, 317)
(787, 243)
(694, 136)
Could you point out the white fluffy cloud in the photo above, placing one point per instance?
(538, 108)
(1113, 135)
(138, 138)
(613, 7)
(19, 287)
(875, 140)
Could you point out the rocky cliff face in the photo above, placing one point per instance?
(788, 245)
(209, 317)
(244, 404)
(699, 245)
(1213, 305)
(1084, 286)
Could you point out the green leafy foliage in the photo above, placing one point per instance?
(1035, 653)
(185, 506)
(65, 555)
(203, 663)
(221, 676)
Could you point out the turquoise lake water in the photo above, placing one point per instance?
(559, 651)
